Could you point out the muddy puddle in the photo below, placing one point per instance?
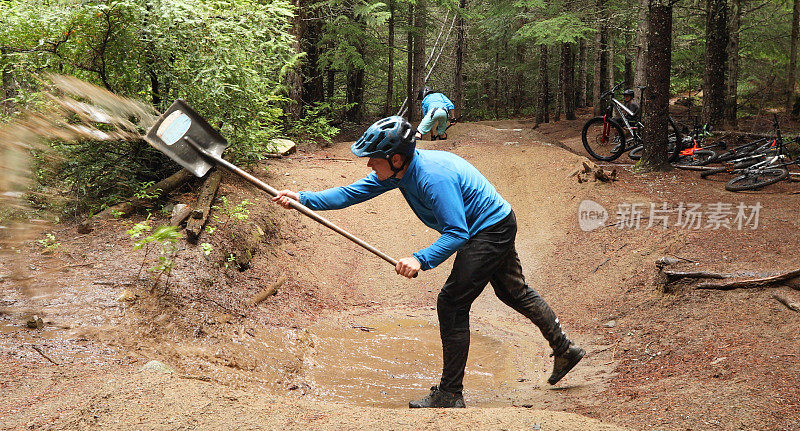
(387, 361)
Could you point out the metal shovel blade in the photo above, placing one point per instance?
(181, 121)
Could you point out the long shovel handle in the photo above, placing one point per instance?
(294, 204)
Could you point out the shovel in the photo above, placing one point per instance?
(187, 138)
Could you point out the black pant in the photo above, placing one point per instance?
(488, 257)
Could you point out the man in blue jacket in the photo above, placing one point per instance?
(436, 109)
(449, 195)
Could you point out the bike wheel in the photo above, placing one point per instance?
(603, 139)
(756, 179)
(743, 150)
(729, 169)
(698, 158)
(674, 144)
(636, 153)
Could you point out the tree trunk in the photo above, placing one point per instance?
(600, 60)
(313, 85)
(559, 87)
(496, 83)
(731, 104)
(656, 116)
(410, 96)
(792, 72)
(387, 107)
(355, 94)
(331, 81)
(627, 75)
(419, 51)
(295, 76)
(716, 62)
(568, 59)
(581, 84)
(610, 54)
(519, 94)
(458, 84)
(9, 87)
(543, 113)
(639, 74)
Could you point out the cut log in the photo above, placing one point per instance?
(755, 282)
(676, 275)
(792, 305)
(587, 170)
(203, 207)
(124, 209)
(269, 291)
(179, 214)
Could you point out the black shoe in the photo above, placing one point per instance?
(564, 362)
(434, 137)
(439, 399)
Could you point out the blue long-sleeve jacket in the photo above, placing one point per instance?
(446, 192)
(436, 100)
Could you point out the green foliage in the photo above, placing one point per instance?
(206, 248)
(316, 125)
(564, 28)
(48, 243)
(227, 58)
(238, 212)
(164, 239)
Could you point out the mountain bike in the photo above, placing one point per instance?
(604, 137)
(765, 165)
(759, 146)
(694, 152)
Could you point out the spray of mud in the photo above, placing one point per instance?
(72, 110)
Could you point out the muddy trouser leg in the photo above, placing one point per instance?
(440, 117)
(509, 285)
(427, 123)
(474, 265)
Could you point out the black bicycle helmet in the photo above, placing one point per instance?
(628, 92)
(385, 138)
(424, 92)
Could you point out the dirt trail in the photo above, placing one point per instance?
(346, 342)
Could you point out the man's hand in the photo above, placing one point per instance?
(285, 197)
(407, 267)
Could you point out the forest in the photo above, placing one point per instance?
(303, 69)
(164, 264)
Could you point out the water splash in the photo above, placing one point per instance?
(73, 110)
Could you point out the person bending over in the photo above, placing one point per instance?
(436, 108)
(449, 195)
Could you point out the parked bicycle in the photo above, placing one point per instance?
(694, 151)
(766, 163)
(604, 137)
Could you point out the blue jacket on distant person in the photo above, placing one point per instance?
(436, 100)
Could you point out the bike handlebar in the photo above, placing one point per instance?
(612, 91)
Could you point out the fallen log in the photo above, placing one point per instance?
(269, 291)
(180, 214)
(755, 282)
(124, 209)
(199, 214)
(792, 305)
(736, 133)
(676, 275)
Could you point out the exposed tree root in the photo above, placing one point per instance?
(739, 280)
